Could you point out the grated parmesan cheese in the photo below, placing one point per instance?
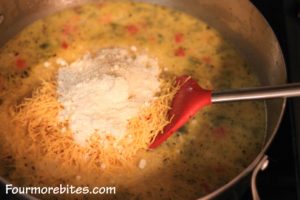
(142, 163)
(101, 93)
(61, 62)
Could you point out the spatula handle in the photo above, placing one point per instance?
(268, 92)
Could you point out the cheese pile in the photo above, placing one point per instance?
(100, 93)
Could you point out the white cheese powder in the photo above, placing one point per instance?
(100, 93)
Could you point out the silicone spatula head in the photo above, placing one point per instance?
(188, 100)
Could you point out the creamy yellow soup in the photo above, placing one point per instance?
(210, 150)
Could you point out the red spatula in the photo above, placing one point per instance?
(191, 98)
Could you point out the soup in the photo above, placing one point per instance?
(210, 150)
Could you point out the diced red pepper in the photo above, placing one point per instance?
(180, 52)
(219, 132)
(105, 19)
(21, 63)
(152, 38)
(68, 29)
(178, 37)
(132, 29)
(206, 59)
(64, 45)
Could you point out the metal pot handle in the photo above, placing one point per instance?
(262, 165)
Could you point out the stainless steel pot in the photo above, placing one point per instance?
(239, 22)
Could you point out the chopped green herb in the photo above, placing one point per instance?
(194, 60)
(25, 74)
(44, 45)
(160, 38)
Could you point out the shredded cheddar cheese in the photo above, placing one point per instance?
(38, 115)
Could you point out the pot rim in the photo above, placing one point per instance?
(259, 156)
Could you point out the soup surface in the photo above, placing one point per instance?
(210, 150)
